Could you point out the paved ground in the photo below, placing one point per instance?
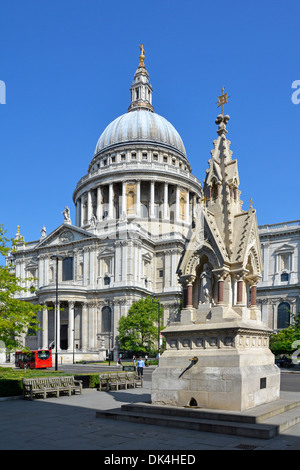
(70, 423)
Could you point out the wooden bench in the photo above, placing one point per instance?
(110, 380)
(45, 386)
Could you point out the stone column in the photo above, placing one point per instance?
(45, 339)
(167, 266)
(124, 208)
(84, 327)
(138, 199)
(78, 208)
(174, 263)
(177, 204)
(92, 276)
(189, 295)
(124, 260)
(89, 207)
(92, 318)
(40, 270)
(85, 265)
(152, 196)
(99, 204)
(110, 201)
(253, 295)
(184, 296)
(166, 202)
(240, 286)
(81, 211)
(71, 326)
(265, 250)
(187, 207)
(220, 291)
(189, 300)
(46, 270)
(118, 261)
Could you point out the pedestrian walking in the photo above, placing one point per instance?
(140, 367)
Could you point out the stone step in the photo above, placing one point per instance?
(262, 431)
(285, 420)
(256, 415)
(263, 422)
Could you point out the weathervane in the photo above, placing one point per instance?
(223, 99)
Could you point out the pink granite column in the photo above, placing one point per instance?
(240, 292)
(253, 296)
(189, 295)
(220, 291)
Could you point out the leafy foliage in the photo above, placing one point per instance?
(281, 342)
(138, 331)
(16, 316)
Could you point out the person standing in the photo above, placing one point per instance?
(140, 367)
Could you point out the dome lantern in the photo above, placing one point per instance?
(141, 90)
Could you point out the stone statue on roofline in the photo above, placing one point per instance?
(66, 213)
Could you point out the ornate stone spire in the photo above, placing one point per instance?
(141, 90)
(221, 185)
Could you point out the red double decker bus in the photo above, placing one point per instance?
(39, 359)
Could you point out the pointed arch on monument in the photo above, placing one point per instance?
(252, 262)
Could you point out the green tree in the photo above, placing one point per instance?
(16, 316)
(138, 331)
(281, 342)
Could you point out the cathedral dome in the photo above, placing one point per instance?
(140, 125)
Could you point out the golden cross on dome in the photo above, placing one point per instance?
(142, 56)
(223, 99)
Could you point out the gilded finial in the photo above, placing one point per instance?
(142, 56)
(251, 202)
(223, 99)
(18, 229)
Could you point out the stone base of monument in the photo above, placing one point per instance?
(262, 422)
(226, 366)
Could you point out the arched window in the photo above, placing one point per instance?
(283, 315)
(106, 319)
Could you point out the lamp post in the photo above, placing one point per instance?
(74, 335)
(56, 257)
(158, 321)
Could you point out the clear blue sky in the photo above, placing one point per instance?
(68, 66)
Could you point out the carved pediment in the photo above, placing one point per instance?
(286, 248)
(63, 235)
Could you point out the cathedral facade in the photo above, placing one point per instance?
(278, 292)
(134, 211)
(134, 235)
